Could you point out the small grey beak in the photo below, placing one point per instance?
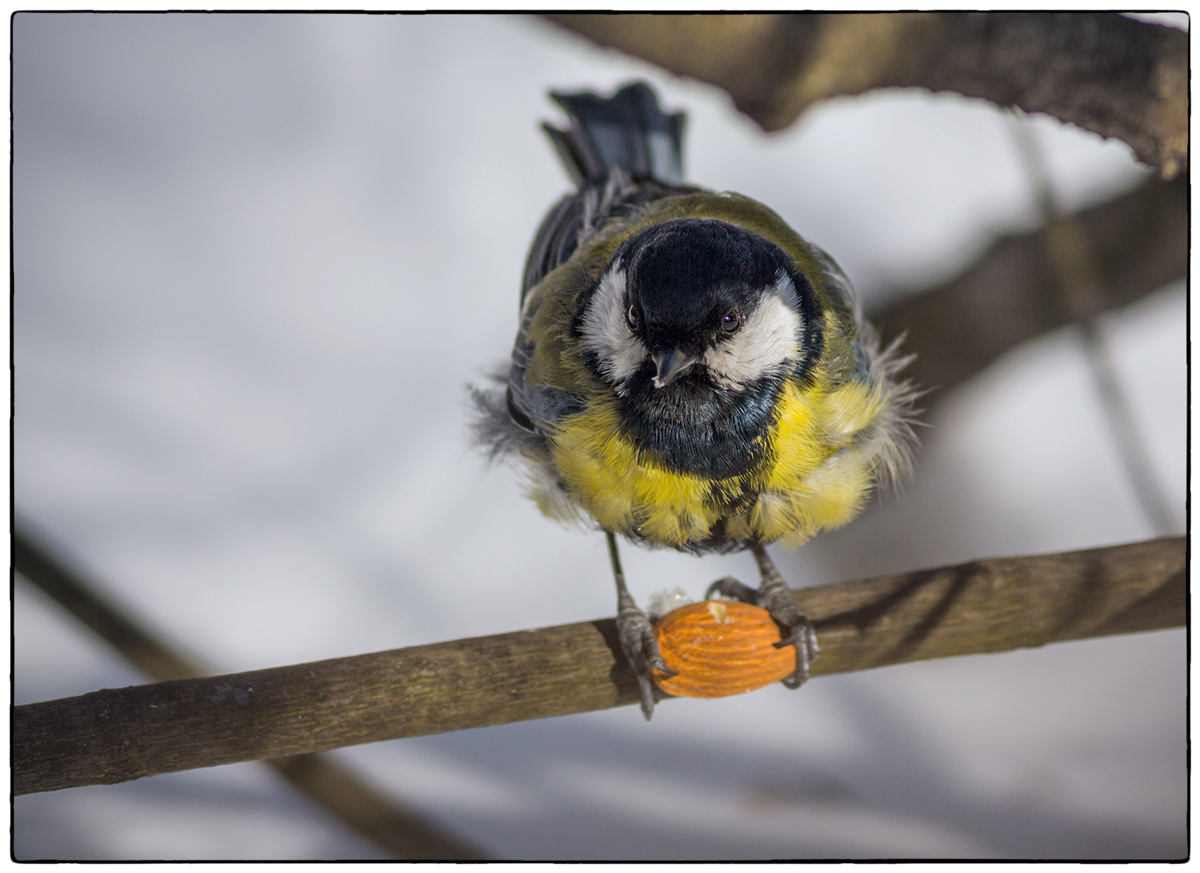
(671, 365)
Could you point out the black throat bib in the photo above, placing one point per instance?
(693, 426)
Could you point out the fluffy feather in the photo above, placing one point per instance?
(791, 414)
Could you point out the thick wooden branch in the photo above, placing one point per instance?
(985, 606)
(397, 829)
(1012, 294)
(1104, 72)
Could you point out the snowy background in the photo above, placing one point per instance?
(257, 258)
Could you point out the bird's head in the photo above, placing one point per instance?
(696, 302)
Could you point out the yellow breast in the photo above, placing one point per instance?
(812, 477)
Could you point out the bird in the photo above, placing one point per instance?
(688, 371)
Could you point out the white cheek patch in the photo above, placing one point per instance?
(770, 339)
(606, 334)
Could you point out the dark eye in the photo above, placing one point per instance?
(632, 317)
(731, 321)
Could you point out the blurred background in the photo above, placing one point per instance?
(257, 260)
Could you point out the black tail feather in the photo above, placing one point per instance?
(627, 131)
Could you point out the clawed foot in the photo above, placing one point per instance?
(635, 632)
(636, 635)
(773, 595)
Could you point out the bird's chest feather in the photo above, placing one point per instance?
(676, 479)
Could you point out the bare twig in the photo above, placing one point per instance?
(1140, 243)
(1075, 267)
(1101, 71)
(402, 832)
(985, 606)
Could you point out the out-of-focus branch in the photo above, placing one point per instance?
(1104, 72)
(985, 606)
(1075, 265)
(400, 831)
(1140, 244)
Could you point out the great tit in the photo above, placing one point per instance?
(688, 371)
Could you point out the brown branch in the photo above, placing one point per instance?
(1012, 294)
(402, 832)
(985, 606)
(1104, 72)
